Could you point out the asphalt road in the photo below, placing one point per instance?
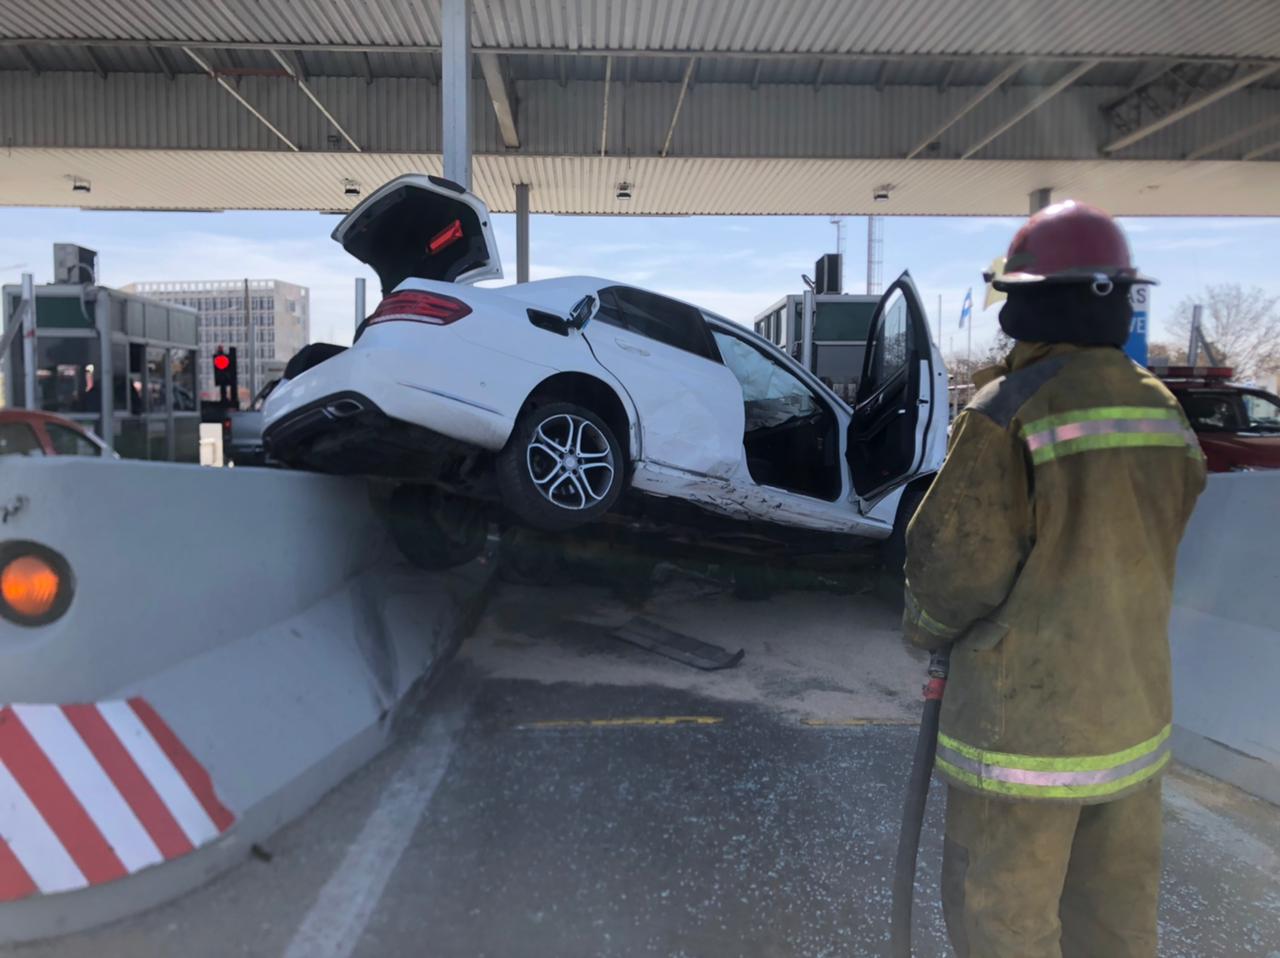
(560, 793)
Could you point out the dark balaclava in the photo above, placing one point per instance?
(1067, 313)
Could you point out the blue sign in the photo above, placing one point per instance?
(1136, 346)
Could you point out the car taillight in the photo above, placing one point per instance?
(445, 238)
(35, 583)
(416, 306)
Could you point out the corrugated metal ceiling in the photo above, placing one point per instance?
(1186, 28)
(571, 68)
(195, 179)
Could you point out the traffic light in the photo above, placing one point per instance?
(225, 374)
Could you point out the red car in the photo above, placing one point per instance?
(24, 432)
(1238, 426)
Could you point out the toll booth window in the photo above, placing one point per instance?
(68, 442)
(18, 439)
(155, 380)
(66, 375)
(842, 322)
(182, 365)
(120, 376)
(137, 363)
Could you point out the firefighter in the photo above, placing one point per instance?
(1044, 552)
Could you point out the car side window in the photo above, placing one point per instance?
(18, 439)
(658, 318)
(893, 346)
(1263, 412)
(771, 395)
(68, 442)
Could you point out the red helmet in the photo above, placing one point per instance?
(1068, 242)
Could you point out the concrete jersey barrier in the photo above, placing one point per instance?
(1225, 634)
(237, 643)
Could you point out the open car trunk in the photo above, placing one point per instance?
(423, 227)
(895, 403)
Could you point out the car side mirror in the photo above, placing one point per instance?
(581, 312)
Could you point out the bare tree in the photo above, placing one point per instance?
(962, 368)
(1166, 354)
(1243, 325)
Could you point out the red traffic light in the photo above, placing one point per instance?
(221, 362)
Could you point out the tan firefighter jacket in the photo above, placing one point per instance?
(1045, 551)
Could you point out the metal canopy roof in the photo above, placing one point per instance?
(1141, 28)
(718, 106)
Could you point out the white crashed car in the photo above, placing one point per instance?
(566, 399)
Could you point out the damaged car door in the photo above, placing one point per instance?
(895, 407)
(688, 404)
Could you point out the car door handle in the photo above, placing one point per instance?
(631, 348)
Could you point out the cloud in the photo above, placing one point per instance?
(970, 225)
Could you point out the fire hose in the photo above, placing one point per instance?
(904, 869)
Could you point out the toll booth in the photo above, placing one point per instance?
(88, 336)
(838, 324)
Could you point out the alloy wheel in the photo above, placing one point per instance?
(570, 462)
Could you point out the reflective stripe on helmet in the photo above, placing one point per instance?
(919, 617)
(1037, 776)
(1107, 427)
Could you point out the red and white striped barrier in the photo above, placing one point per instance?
(95, 792)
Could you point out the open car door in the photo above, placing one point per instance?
(894, 404)
(424, 227)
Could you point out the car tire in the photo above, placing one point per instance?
(434, 530)
(893, 551)
(562, 467)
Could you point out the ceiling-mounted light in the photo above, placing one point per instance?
(623, 191)
(80, 185)
(350, 188)
(881, 193)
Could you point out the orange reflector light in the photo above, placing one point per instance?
(29, 586)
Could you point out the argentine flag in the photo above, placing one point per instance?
(966, 310)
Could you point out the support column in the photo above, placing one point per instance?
(522, 232)
(28, 342)
(360, 313)
(455, 90)
(1040, 199)
(106, 372)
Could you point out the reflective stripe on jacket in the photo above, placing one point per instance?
(1045, 551)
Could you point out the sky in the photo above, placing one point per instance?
(736, 266)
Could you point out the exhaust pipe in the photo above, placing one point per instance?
(343, 408)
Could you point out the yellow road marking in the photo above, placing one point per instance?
(852, 722)
(635, 720)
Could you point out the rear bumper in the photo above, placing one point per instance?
(440, 382)
(346, 433)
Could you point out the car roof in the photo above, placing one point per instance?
(38, 415)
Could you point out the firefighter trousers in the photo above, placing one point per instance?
(1025, 879)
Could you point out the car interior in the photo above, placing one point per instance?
(790, 434)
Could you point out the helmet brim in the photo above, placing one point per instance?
(1008, 281)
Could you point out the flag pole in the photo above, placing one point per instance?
(968, 350)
